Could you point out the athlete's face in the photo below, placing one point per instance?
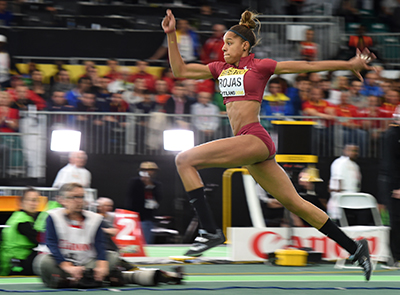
(234, 48)
(74, 201)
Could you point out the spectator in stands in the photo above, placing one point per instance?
(355, 97)
(162, 93)
(188, 43)
(138, 93)
(59, 65)
(386, 85)
(58, 103)
(123, 84)
(88, 103)
(147, 105)
(190, 86)
(37, 85)
(348, 9)
(74, 171)
(212, 48)
(346, 177)
(26, 99)
(144, 196)
(63, 82)
(299, 92)
(276, 103)
(178, 104)
(117, 104)
(206, 18)
(389, 182)
(371, 86)
(74, 96)
(391, 101)
(316, 106)
(113, 73)
(351, 128)
(6, 16)
(205, 127)
(103, 95)
(20, 237)
(168, 77)
(143, 74)
(373, 127)
(309, 49)
(88, 65)
(360, 40)
(8, 116)
(93, 74)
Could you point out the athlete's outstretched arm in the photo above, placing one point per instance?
(178, 66)
(356, 64)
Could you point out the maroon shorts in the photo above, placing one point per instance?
(258, 130)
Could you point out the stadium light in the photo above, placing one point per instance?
(65, 140)
(178, 140)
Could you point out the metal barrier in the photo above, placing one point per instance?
(24, 154)
(385, 45)
(280, 35)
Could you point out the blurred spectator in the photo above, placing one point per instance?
(20, 237)
(315, 79)
(373, 127)
(58, 103)
(6, 16)
(5, 63)
(351, 128)
(27, 77)
(299, 92)
(142, 74)
(144, 196)
(88, 65)
(190, 90)
(59, 65)
(391, 13)
(8, 116)
(389, 182)
(162, 93)
(122, 84)
(88, 103)
(148, 104)
(276, 103)
(360, 40)
(63, 82)
(113, 73)
(212, 48)
(74, 171)
(105, 209)
(137, 94)
(103, 96)
(168, 77)
(117, 103)
(93, 74)
(371, 86)
(188, 43)
(206, 18)
(346, 177)
(386, 85)
(391, 101)
(178, 104)
(74, 96)
(26, 98)
(348, 10)
(355, 97)
(37, 85)
(205, 126)
(309, 49)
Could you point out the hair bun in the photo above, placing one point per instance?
(248, 19)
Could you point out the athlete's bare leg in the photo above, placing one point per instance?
(274, 180)
(228, 152)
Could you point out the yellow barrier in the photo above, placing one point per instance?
(76, 71)
(11, 203)
(227, 196)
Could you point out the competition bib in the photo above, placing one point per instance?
(231, 82)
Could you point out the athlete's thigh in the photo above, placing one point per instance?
(270, 175)
(227, 152)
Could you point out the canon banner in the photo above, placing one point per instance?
(251, 244)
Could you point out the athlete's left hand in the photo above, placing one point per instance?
(360, 62)
(100, 271)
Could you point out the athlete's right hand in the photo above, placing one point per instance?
(168, 23)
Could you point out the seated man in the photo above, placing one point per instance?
(77, 255)
(19, 238)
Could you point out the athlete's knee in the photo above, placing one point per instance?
(181, 160)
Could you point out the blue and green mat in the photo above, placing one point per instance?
(212, 275)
